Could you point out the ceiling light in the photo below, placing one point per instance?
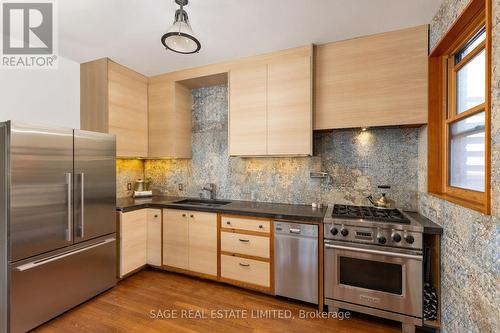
(180, 37)
(364, 129)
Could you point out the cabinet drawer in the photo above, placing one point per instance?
(245, 270)
(257, 246)
(244, 223)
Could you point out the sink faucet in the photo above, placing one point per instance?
(210, 187)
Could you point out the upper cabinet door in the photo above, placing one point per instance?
(161, 97)
(170, 109)
(128, 110)
(289, 113)
(248, 111)
(377, 80)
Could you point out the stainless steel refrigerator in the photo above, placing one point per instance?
(57, 223)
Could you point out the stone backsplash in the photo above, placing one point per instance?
(127, 171)
(357, 161)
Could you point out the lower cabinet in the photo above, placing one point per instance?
(246, 252)
(153, 237)
(190, 241)
(203, 243)
(175, 238)
(133, 241)
(140, 239)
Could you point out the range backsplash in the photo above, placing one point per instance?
(357, 161)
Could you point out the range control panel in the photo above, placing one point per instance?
(376, 235)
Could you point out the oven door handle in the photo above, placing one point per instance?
(383, 253)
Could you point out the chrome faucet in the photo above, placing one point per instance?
(210, 187)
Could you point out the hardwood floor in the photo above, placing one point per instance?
(128, 306)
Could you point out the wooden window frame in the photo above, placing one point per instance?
(442, 104)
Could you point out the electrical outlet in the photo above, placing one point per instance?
(129, 186)
(181, 187)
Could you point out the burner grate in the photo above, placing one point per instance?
(369, 213)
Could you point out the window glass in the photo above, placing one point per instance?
(471, 80)
(471, 45)
(467, 153)
(366, 274)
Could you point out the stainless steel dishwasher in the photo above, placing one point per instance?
(296, 260)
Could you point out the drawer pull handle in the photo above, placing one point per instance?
(183, 215)
(156, 216)
(228, 222)
(261, 226)
(244, 265)
(191, 215)
(244, 240)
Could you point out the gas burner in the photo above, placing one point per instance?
(368, 213)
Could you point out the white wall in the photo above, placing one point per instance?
(42, 96)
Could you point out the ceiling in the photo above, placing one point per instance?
(129, 31)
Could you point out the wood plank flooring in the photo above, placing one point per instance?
(128, 306)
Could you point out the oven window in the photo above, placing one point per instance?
(373, 275)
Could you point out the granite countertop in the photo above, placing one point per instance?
(237, 207)
(429, 226)
(252, 208)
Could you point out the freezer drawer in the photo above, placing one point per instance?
(43, 289)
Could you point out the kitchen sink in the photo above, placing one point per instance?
(202, 202)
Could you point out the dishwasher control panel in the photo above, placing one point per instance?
(292, 228)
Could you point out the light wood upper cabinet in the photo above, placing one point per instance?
(128, 110)
(170, 106)
(289, 113)
(114, 99)
(175, 238)
(376, 80)
(270, 105)
(248, 111)
(203, 243)
(133, 240)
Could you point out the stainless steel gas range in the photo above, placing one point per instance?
(373, 263)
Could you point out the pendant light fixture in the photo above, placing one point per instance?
(180, 37)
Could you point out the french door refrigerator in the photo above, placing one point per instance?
(57, 223)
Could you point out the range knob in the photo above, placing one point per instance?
(396, 237)
(381, 239)
(334, 231)
(409, 239)
(344, 232)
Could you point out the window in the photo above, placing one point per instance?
(459, 133)
(466, 116)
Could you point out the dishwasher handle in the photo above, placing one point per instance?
(295, 229)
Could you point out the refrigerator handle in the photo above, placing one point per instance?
(82, 205)
(34, 264)
(69, 230)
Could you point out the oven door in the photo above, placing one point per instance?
(363, 275)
